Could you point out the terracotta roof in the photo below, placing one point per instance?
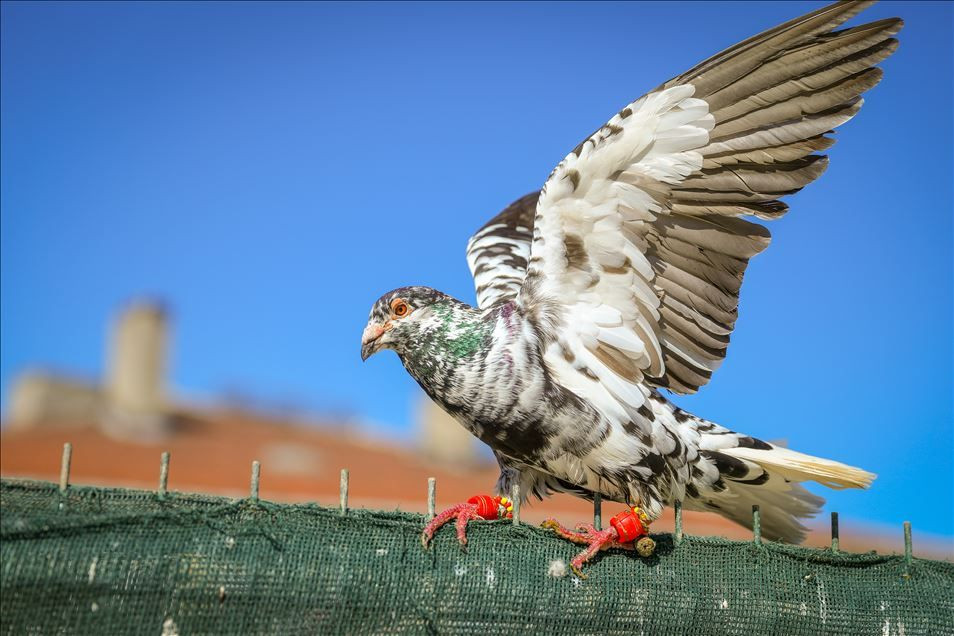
(212, 453)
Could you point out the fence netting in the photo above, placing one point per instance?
(116, 561)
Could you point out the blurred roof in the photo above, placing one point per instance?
(211, 452)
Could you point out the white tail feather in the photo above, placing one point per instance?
(796, 466)
(783, 502)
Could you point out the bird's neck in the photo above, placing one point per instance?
(447, 348)
(486, 369)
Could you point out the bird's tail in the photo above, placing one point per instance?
(757, 472)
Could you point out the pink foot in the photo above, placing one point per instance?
(463, 512)
(627, 530)
(599, 540)
(477, 507)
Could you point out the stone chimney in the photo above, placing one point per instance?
(135, 390)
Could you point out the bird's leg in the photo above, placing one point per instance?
(628, 530)
(477, 507)
(583, 534)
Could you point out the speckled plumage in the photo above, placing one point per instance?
(621, 278)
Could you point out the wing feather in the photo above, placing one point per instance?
(639, 246)
(497, 253)
(632, 256)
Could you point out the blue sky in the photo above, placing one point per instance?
(271, 169)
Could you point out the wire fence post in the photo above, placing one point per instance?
(65, 461)
(834, 532)
(163, 475)
(598, 511)
(256, 475)
(431, 497)
(908, 549)
(343, 491)
(677, 513)
(756, 525)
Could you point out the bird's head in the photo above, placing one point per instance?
(397, 318)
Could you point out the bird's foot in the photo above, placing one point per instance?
(583, 534)
(628, 530)
(477, 507)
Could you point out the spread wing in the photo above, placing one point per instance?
(497, 254)
(640, 238)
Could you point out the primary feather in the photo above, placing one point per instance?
(621, 277)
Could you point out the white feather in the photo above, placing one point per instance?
(801, 467)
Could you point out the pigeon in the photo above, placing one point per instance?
(617, 284)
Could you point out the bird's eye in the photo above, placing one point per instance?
(399, 308)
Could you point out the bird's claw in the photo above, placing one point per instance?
(477, 507)
(461, 512)
(627, 531)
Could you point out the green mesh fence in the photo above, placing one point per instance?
(110, 561)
